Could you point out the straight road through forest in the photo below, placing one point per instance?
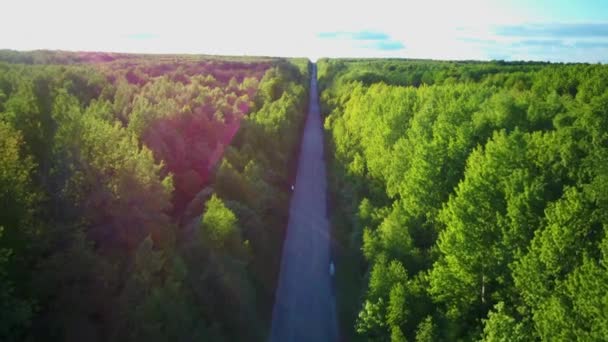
(304, 308)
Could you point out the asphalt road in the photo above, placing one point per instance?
(304, 308)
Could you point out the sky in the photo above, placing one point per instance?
(547, 30)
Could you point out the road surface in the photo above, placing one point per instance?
(304, 308)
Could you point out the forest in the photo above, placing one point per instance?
(144, 197)
(469, 200)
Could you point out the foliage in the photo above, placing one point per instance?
(108, 161)
(486, 181)
(218, 223)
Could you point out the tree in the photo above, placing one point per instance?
(427, 331)
(17, 232)
(218, 224)
(495, 177)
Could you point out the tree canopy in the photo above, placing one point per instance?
(484, 182)
(108, 165)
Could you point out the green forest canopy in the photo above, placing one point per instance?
(110, 163)
(145, 197)
(469, 199)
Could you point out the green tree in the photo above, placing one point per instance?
(427, 331)
(219, 224)
(17, 231)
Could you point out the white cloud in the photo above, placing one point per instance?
(427, 28)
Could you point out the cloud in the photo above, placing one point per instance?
(548, 41)
(474, 40)
(359, 35)
(540, 43)
(556, 30)
(468, 29)
(369, 40)
(329, 35)
(388, 45)
(369, 35)
(142, 36)
(591, 44)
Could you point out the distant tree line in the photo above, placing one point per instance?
(469, 199)
(143, 197)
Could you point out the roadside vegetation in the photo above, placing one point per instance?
(469, 199)
(144, 197)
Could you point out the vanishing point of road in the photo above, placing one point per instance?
(304, 308)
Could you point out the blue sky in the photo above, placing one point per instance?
(555, 30)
